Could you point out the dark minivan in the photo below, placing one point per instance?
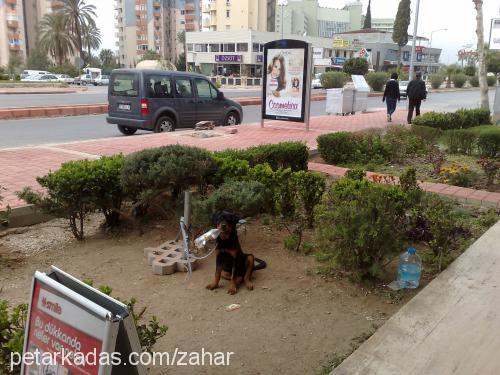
(163, 101)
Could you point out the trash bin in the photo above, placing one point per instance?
(339, 101)
(361, 90)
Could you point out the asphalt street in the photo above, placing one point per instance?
(28, 132)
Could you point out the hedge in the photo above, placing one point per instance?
(461, 119)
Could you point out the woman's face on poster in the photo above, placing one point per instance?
(275, 73)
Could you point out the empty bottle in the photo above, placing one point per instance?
(410, 269)
(201, 241)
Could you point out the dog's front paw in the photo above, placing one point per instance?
(232, 288)
(211, 286)
(249, 284)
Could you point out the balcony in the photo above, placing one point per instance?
(56, 4)
(12, 24)
(190, 27)
(189, 8)
(157, 14)
(14, 47)
(14, 35)
(157, 23)
(11, 2)
(189, 17)
(156, 4)
(206, 8)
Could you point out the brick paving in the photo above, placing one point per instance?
(21, 166)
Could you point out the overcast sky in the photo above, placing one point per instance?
(458, 16)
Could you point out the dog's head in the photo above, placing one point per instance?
(226, 222)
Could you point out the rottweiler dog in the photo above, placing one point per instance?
(231, 263)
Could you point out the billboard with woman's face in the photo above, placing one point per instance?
(285, 82)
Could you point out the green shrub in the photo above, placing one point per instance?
(490, 167)
(402, 76)
(359, 225)
(470, 70)
(436, 81)
(461, 119)
(474, 81)
(292, 155)
(458, 175)
(355, 174)
(333, 80)
(229, 169)
(12, 327)
(428, 134)
(246, 198)
(460, 141)
(491, 80)
(309, 187)
(79, 188)
(336, 148)
(356, 66)
(66, 68)
(489, 142)
(376, 80)
(459, 80)
(150, 173)
(400, 143)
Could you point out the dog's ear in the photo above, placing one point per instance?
(216, 217)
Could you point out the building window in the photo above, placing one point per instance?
(214, 47)
(228, 13)
(255, 47)
(200, 48)
(190, 47)
(326, 29)
(242, 47)
(228, 47)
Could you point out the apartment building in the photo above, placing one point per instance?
(383, 24)
(143, 25)
(12, 30)
(34, 11)
(234, 15)
(308, 18)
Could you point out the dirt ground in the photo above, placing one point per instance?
(294, 321)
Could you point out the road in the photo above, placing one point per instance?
(94, 95)
(18, 133)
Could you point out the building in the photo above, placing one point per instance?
(383, 52)
(224, 15)
(12, 30)
(383, 24)
(238, 55)
(143, 25)
(306, 17)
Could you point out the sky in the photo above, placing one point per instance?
(458, 16)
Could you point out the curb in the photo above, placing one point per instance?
(39, 92)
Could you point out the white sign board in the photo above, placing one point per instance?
(317, 53)
(495, 34)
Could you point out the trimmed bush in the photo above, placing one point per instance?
(460, 141)
(461, 119)
(474, 81)
(356, 66)
(336, 148)
(436, 81)
(292, 155)
(309, 187)
(400, 143)
(470, 70)
(360, 225)
(376, 80)
(79, 188)
(229, 169)
(428, 134)
(333, 80)
(459, 80)
(150, 173)
(246, 198)
(488, 142)
(491, 80)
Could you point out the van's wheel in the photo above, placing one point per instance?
(232, 118)
(164, 124)
(126, 130)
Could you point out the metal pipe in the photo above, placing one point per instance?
(415, 28)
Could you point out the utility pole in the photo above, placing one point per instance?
(415, 29)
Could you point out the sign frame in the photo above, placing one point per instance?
(494, 40)
(119, 332)
(291, 46)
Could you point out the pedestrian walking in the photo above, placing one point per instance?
(416, 92)
(391, 95)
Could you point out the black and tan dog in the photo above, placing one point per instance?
(231, 263)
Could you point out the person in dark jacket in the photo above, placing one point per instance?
(391, 95)
(416, 92)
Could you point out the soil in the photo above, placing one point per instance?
(294, 321)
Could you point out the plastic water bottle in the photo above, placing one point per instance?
(201, 241)
(410, 269)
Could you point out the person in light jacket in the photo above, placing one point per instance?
(391, 95)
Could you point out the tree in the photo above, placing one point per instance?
(470, 70)
(181, 62)
(449, 71)
(357, 66)
(91, 38)
(15, 61)
(79, 16)
(368, 18)
(150, 55)
(403, 18)
(38, 59)
(181, 38)
(107, 57)
(493, 61)
(483, 84)
(54, 36)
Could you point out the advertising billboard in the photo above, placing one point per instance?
(286, 80)
(495, 34)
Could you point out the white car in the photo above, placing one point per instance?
(102, 80)
(316, 82)
(48, 78)
(403, 85)
(65, 78)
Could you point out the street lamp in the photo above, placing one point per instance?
(415, 29)
(430, 43)
(282, 3)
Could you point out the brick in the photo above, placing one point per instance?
(81, 111)
(37, 112)
(5, 114)
(52, 111)
(20, 113)
(66, 111)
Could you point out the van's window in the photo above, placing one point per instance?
(160, 87)
(183, 88)
(205, 89)
(124, 85)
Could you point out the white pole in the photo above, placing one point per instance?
(282, 21)
(415, 28)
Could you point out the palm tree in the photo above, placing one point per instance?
(54, 36)
(107, 57)
(80, 17)
(91, 37)
(483, 84)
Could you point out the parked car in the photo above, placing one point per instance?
(316, 82)
(84, 79)
(26, 73)
(101, 80)
(65, 78)
(163, 101)
(402, 89)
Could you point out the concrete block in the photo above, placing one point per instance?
(167, 258)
